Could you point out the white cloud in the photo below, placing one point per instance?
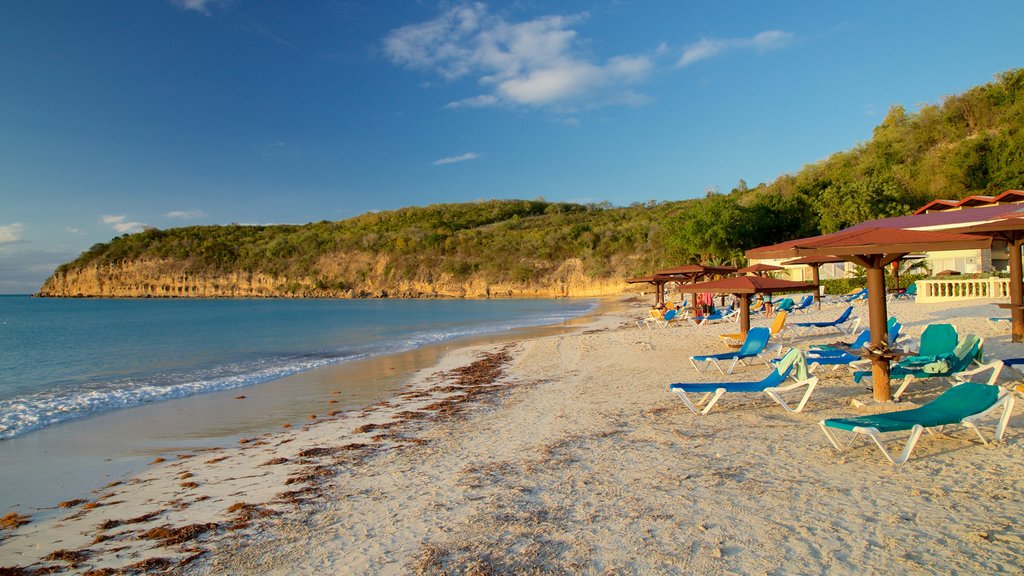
(456, 159)
(119, 224)
(202, 6)
(10, 233)
(710, 47)
(186, 214)
(530, 63)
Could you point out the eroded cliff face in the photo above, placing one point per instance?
(338, 276)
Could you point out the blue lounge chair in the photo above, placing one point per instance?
(804, 304)
(784, 305)
(844, 323)
(753, 347)
(792, 365)
(836, 357)
(663, 322)
(963, 404)
(997, 322)
(718, 315)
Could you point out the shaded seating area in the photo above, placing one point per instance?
(965, 404)
(968, 352)
(793, 364)
(754, 346)
(835, 357)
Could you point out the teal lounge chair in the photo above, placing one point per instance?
(909, 293)
(792, 365)
(967, 353)
(753, 347)
(963, 404)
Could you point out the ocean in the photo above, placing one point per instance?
(64, 359)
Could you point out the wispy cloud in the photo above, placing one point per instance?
(121, 224)
(11, 233)
(532, 63)
(456, 159)
(185, 214)
(711, 47)
(202, 6)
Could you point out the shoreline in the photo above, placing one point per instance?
(69, 460)
(566, 454)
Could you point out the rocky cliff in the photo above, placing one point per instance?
(338, 276)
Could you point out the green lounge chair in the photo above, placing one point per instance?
(963, 404)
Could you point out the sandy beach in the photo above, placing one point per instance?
(565, 454)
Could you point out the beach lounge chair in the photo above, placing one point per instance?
(792, 365)
(963, 404)
(778, 327)
(716, 316)
(1000, 323)
(804, 304)
(663, 322)
(967, 353)
(844, 323)
(837, 357)
(909, 294)
(784, 305)
(753, 347)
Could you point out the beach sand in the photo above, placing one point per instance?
(568, 454)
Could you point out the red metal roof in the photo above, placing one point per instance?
(870, 240)
(946, 218)
(971, 201)
(747, 285)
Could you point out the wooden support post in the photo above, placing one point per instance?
(879, 331)
(1016, 289)
(744, 314)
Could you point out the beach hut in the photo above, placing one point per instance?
(693, 273)
(873, 249)
(659, 286)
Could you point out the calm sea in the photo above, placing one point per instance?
(64, 359)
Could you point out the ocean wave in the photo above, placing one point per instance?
(29, 412)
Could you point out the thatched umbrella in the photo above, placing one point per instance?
(873, 249)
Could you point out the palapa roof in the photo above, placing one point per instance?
(748, 285)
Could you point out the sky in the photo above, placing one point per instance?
(115, 115)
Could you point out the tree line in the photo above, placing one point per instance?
(970, 143)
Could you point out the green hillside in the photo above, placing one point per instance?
(968, 144)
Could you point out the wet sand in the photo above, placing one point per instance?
(70, 460)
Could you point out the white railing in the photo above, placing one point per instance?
(967, 289)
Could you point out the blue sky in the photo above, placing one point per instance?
(120, 114)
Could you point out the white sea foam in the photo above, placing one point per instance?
(33, 411)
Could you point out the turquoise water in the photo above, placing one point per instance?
(65, 359)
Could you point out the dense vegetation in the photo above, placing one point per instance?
(970, 143)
